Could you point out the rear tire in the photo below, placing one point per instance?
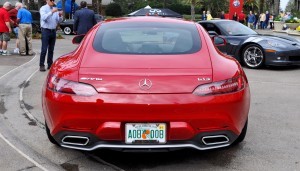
(242, 135)
(51, 139)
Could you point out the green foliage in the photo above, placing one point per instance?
(278, 18)
(182, 9)
(113, 9)
(292, 20)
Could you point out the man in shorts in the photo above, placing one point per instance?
(5, 28)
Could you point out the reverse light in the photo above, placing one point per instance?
(221, 87)
(70, 87)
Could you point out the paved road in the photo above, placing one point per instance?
(272, 142)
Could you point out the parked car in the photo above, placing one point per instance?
(36, 25)
(67, 25)
(146, 83)
(252, 49)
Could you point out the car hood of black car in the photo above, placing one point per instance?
(280, 38)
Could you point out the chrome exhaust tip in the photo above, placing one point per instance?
(75, 140)
(215, 139)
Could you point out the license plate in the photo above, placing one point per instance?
(145, 133)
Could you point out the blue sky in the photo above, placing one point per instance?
(283, 3)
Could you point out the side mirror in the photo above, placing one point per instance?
(219, 41)
(77, 39)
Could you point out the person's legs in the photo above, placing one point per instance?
(29, 39)
(1, 40)
(45, 43)
(16, 31)
(6, 38)
(22, 32)
(51, 49)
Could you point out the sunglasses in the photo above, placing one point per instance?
(52, 0)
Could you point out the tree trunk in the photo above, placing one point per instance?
(193, 10)
(261, 6)
(99, 6)
(95, 4)
(276, 7)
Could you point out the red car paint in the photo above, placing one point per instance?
(117, 99)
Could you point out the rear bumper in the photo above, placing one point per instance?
(194, 143)
(189, 118)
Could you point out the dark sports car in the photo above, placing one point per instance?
(252, 49)
(67, 25)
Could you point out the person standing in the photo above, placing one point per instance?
(271, 21)
(25, 31)
(267, 19)
(222, 15)
(50, 17)
(204, 16)
(84, 19)
(235, 16)
(251, 20)
(256, 20)
(241, 17)
(5, 28)
(208, 15)
(13, 16)
(262, 20)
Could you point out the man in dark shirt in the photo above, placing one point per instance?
(84, 19)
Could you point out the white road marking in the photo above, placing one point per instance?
(23, 154)
(9, 143)
(18, 67)
(23, 104)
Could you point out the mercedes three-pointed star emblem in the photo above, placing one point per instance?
(145, 84)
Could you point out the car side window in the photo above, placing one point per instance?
(211, 27)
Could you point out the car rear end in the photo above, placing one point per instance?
(153, 86)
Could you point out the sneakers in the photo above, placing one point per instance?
(16, 51)
(42, 68)
(5, 53)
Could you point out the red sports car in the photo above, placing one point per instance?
(146, 83)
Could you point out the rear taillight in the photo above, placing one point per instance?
(70, 87)
(221, 87)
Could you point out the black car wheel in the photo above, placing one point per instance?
(51, 139)
(242, 135)
(67, 30)
(253, 56)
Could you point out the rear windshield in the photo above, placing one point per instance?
(147, 38)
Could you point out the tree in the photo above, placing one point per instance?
(31, 4)
(96, 5)
(251, 5)
(40, 3)
(261, 6)
(290, 6)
